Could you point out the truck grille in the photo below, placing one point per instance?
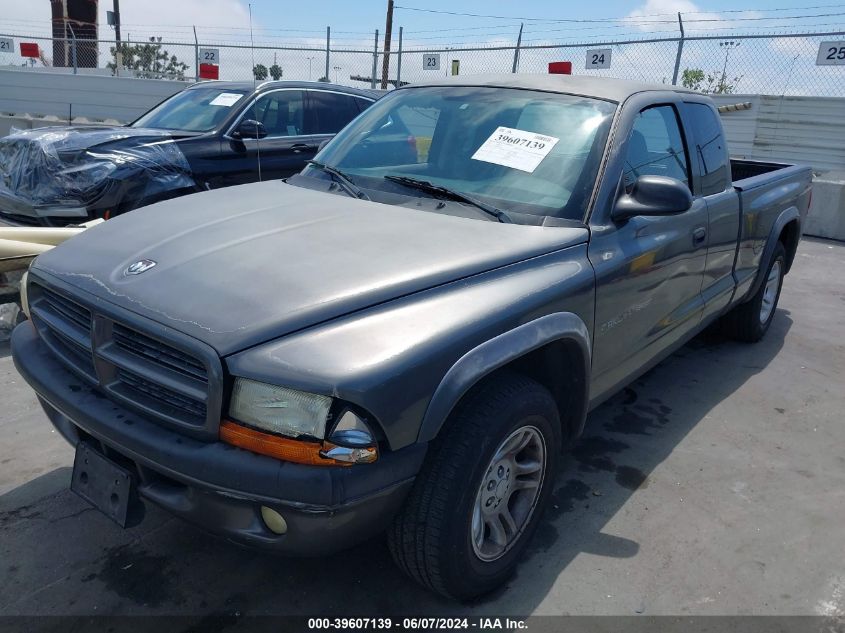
(166, 382)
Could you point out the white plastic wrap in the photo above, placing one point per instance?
(79, 171)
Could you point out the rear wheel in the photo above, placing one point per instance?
(750, 321)
(482, 490)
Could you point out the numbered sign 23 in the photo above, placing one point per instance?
(7, 45)
(209, 56)
(831, 54)
(598, 58)
(431, 61)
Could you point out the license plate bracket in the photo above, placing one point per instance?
(102, 483)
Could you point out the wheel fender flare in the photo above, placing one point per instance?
(786, 216)
(497, 352)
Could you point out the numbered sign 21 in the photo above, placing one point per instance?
(598, 58)
(431, 61)
(210, 56)
(7, 45)
(831, 54)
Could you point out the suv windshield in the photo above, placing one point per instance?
(521, 151)
(193, 110)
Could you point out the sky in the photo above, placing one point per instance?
(354, 20)
(303, 24)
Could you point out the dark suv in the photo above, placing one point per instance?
(208, 136)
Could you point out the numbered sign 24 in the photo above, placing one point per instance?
(210, 56)
(431, 61)
(598, 58)
(831, 54)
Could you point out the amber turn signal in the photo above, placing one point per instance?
(283, 448)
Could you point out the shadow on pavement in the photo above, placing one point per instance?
(61, 557)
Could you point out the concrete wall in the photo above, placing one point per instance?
(92, 97)
(809, 130)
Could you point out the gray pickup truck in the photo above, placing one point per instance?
(405, 341)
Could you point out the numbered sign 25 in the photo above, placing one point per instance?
(431, 61)
(209, 56)
(598, 58)
(7, 45)
(831, 54)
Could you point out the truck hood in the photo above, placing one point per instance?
(243, 265)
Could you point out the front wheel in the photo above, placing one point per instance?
(750, 321)
(482, 490)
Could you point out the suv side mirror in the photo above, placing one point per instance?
(250, 128)
(323, 144)
(653, 195)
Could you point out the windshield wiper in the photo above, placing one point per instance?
(341, 179)
(424, 185)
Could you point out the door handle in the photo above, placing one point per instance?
(699, 234)
(301, 147)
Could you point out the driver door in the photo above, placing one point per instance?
(649, 270)
(283, 151)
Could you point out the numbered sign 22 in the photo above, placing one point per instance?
(431, 61)
(7, 45)
(831, 54)
(598, 58)
(210, 56)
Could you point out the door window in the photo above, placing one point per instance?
(656, 147)
(329, 112)
(281, 112)
(710, 147)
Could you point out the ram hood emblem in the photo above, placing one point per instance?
(139, 267)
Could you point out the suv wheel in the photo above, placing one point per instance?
(482, 490)
(749, 321)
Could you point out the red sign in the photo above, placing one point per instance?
(30, 49)
(560, 68)
(209, 71)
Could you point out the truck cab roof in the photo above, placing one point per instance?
(606, 88)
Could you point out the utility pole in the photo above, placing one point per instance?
(117, 22)
(388, 29)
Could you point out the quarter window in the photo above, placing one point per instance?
(656, 147)
(710, 148)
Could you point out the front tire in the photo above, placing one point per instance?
(482, 491)
(750, 321)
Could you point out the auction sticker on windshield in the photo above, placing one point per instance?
(517, 149)
(226, 99)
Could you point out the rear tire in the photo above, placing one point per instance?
(482, 490)
(750, 321)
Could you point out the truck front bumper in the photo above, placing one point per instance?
(217, 486)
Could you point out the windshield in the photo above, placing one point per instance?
(522, 151)
(193, 110)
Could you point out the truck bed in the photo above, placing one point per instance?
(743, 169)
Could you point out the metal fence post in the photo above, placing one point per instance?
(399, 61)
(196, 56)
(516, 50)
(72, 48)
(328, 44)
(680, 51)
(375, 62)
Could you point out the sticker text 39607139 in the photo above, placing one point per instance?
(517, 149)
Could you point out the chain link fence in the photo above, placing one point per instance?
(766, 64)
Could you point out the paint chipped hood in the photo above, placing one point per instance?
(240, 266)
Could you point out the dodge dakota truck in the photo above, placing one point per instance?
(405, 342)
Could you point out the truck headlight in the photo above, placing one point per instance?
(291, 425)
(279, 410)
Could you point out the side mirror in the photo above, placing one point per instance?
(249, 128)
(653, 195)
(323, 144)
